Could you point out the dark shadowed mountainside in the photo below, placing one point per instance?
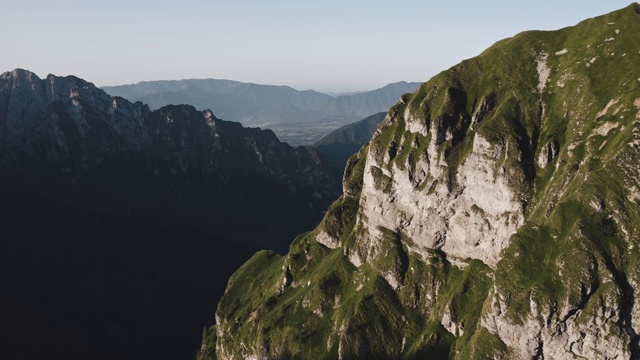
(340, 144)
(121, 225)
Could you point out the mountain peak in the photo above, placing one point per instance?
(494, 214)
(19, 73)
(18, 76)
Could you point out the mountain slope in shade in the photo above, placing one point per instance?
(359, 132)
(339, 145)
(495, 214)
(120, 225)
(263, 104)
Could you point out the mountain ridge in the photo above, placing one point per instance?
(112, 212)
(493, 215)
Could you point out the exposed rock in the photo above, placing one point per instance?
(492, 215)
(327, 240)
(548, 153)
(474, 220)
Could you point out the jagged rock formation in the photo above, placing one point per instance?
(494, 214)
(114, 216)
(58, 119)
(263, 104)
(347, 140)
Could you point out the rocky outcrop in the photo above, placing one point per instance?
(473, 220)
(493, 215)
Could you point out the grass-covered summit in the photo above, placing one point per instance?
(495, 214)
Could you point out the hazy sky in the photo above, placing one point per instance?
(327, 45)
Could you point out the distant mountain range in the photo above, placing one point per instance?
(120, 225)
(261, 105)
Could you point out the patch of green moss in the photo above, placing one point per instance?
(340, 217)
(208, 349)
(483, 345)
(354, 172)
(381, 181)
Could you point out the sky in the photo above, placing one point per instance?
(326, 45)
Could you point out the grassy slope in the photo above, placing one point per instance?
(566, 245)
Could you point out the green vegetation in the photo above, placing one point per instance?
(354, 171)
(574, 256)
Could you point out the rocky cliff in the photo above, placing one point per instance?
(494, 214)
(112, 213)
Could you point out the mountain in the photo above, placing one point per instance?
(340, 144)
(494, 214)
(359, 132)
(263, 104)
(121, 225)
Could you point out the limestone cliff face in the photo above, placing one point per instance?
(474, 219)
(494, 214)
